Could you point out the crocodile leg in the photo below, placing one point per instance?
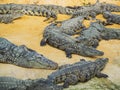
(101, 75)
(109, 22)
(72, 79)
(68, 53)
(43, 42)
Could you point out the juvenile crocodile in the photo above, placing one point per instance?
(96, 32)
(80, 72)
(111, 18)
(72, 26)
(23, 56)
(28, 9)
(11, 83)
(62, 41)
(8, 18)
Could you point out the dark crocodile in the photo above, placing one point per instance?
(23, 56)
(11, 83)
(111, 18)
(28, 9)
(8, 18)
(72, 26)
(80, 72)
(94, 9)
(96, 32)
(54, 37)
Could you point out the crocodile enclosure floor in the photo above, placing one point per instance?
(28, 30)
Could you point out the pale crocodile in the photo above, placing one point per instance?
(23, 56)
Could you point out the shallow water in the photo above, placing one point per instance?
(28, 30)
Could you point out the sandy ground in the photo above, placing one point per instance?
(29, 30)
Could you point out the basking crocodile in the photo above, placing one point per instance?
(28, 9)
(8, 18)
(44, 85)
(8, 83)
(96, 32)
(59, 9)
(94, 9)
(72, 26)
(111, 18)
(23, 56)
(80, 72)
(11, 83)
(54, 37)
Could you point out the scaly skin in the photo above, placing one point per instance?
(111, 18)
(90, 10)
(72, 26)
(8, 18)
(107, 33)
(8, 83)
(96, 32)
(80, 72)
(94, 9)
(23, 56)
(44, 85)
(59, 9)
(54, 37)
(28, 9)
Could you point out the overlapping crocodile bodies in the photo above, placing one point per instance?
(59, 9)
(72, 26)
(96, 32)
(23, 56)
(28, 9)
(53, 36)
(94, 9)
(79, 72)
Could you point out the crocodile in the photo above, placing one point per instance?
(80, 72)
(8, 18)
(44, 85)
(111, 18)
(94, 9)
(72, 26)
(96, 32)
(28, 9)
(59, 9)
(62, 41)
(8, 83)
(11, 83)
(23, 56)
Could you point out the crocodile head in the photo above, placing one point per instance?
(39, 61)
(101, 62)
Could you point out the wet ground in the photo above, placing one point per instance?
(28, 30)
